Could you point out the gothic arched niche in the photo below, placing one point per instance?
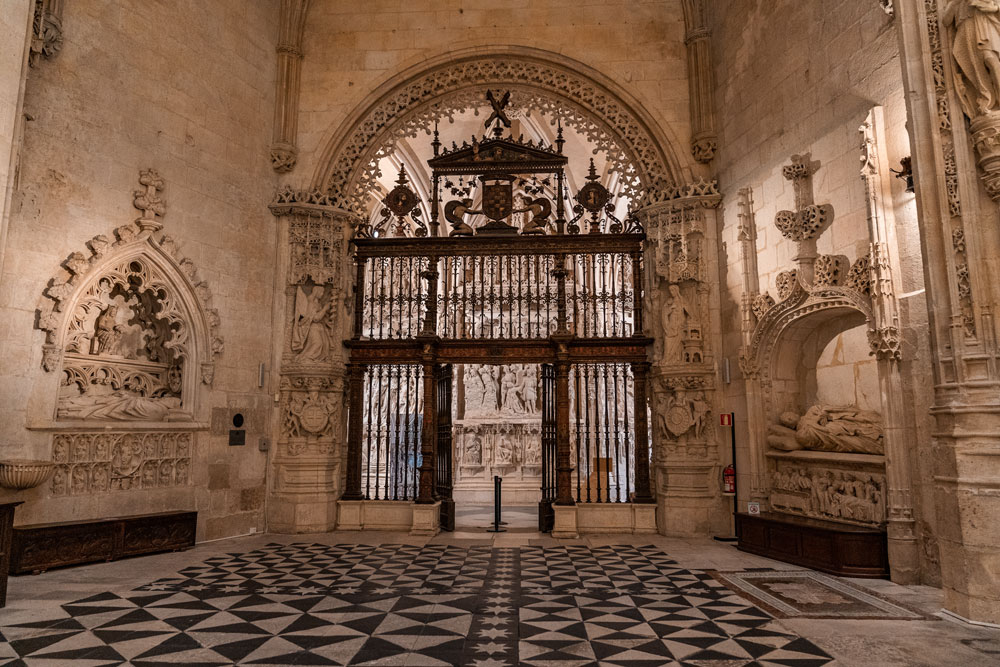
(582, 99)
(131, 331)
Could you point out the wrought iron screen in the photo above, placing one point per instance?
(392, 417)
(603, 432)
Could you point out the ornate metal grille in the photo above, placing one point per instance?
(603, 432)
(392, 417)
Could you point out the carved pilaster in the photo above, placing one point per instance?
(286, 96)
(808, 220)
(701, 91)
(884, 338)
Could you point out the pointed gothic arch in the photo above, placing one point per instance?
(637, 147)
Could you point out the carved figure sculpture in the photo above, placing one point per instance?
(829, 429)
(512, 390)
(107, 332)
(120, 404)
(503, 453)
(676, 314)
(699, 410)
(976, 49)
(310, 336)
(474, 451)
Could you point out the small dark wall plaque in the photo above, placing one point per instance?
(237, 437)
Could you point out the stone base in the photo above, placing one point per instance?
(683, 517)
(390, 515)
(564, 527)
(611, 518)
(426, 519)
(301, 513)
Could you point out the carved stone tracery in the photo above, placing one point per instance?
(129, 323)
(554, 90)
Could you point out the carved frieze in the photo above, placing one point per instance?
(89, 463)
(829, 493)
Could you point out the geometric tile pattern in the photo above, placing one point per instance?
(807, 594)
(309, 604)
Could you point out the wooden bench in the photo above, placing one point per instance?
(44, 546)
(827, 546)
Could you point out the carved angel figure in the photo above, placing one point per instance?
(310, 335)
(976, 49)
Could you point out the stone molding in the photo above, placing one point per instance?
(584, 101)
(288, 50)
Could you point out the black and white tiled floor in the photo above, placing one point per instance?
(437, 604)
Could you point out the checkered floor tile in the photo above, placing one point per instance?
(309, 604)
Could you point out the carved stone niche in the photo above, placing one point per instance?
(132, 330)
(811, 456)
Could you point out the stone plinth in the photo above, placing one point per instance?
(565, 522)
(426, 519)
(389, 515)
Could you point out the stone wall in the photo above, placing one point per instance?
(352, 48)
(187, 89)
(14, 27)
(797, 79)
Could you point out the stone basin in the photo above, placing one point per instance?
(20, 474)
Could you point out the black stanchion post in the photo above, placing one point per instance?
(497, 480)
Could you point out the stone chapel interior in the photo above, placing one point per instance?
(312, 265)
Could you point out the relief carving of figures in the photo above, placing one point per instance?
(481, 387)
(503, 452)
(518, 388)
(681, 412)
(107, 332)
(472, 455)
(119, 405)
(99, 462)
(311, 324)
(829, 429)
(830, 494)
(976, 49)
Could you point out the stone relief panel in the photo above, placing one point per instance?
(499, 445)
(312, 410)
(829, 493)
(90, 463)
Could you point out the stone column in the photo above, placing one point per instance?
(701, 90)
(960, 244)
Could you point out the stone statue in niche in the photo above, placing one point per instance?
(311, 326)
(829, 429)
(976, 49)
(679, 320)
(503, 453)
(473, 454)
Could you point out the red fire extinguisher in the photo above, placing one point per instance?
(729, 480)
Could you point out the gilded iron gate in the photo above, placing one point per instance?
(546, 515)
(443, 472)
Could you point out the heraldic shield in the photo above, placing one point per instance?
(498, 200)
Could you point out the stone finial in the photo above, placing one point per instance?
(148, 200)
